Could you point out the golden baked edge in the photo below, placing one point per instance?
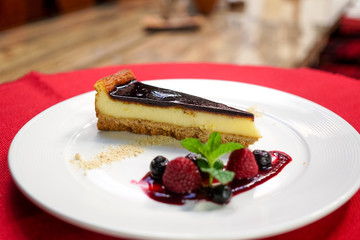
(110, 82)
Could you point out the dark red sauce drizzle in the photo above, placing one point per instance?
(156, 190)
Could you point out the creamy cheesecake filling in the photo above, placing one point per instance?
(176, 116)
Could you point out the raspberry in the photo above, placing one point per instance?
(242, 162)
(181, 176)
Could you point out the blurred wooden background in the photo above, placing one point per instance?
(62, 35)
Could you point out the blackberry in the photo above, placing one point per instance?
(157, 166)
(263, 159)
(221, 194)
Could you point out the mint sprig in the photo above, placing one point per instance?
(210, 152)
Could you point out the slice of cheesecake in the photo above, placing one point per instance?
(122, 103)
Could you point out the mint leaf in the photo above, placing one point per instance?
(223, 176)
(218, 164)
(214, 141)
(193, 145)
(202, 163)
(225, 148)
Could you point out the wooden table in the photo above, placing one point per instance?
(281, 33)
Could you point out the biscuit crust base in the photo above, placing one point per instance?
(140, 126)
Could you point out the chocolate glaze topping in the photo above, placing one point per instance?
(135, 91)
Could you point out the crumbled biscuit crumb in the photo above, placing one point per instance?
(156, 141)
(78, 156)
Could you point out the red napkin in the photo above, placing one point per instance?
(349, 26)
(25, 98)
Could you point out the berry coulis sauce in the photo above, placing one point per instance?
(156, 190)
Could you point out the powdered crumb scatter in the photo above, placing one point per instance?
(112, 154)
(120, 152)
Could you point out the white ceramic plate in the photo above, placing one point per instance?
(323, 175)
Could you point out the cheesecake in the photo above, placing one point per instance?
(122, 103)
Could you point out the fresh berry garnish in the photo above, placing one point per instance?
(192, 156)
(181, 176)
(157, 166)
(221, 194)
(263, 159)
(209, 156)
(242, 162)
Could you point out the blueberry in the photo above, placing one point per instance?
(157, 166)
(263, 159)
(192, 156)
(221, 194)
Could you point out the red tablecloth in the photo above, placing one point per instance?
(23, 99)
